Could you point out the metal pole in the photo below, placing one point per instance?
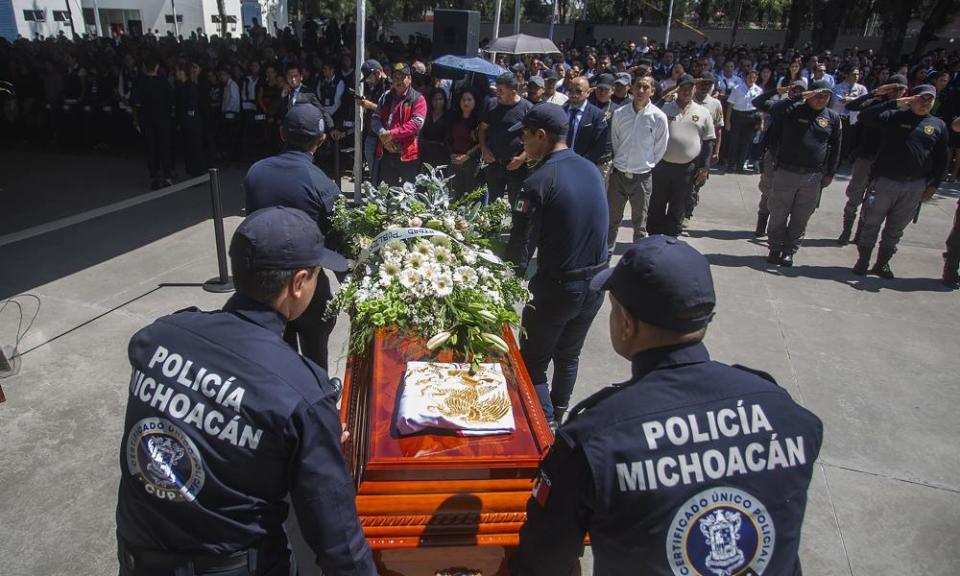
(358, 110)
(553, 19)
(96, 18)
(496, 28)
(73, 29)
(516, 17)
(666, 41)
(176, 26)
(221, 283)
(736, 23)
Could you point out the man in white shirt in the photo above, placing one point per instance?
(230, 111)
(550, 94)
(639, 134)
(847, 91)
(742, 120)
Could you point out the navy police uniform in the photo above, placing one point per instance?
(689, 467)
(562, 211)
(223, 421)
(291, 179)
(912, 159)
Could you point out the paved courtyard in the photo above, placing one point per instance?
(876, 360)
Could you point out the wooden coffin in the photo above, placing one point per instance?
(428, 502)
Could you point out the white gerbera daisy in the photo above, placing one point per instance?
(396, 245)
(409, 277)
(442, 255)
(388, 271)
(442, 284)
(423, 247)
(415, 222)
(469, 256)
(440, 240)
(414, 260)
(465, 275)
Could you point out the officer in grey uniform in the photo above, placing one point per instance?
(908, 169)
(686, 162)
(807, 158)
(689, 467)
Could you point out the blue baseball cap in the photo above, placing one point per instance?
(280, 238)
(304, 118)
(662, 281)
(548, 116)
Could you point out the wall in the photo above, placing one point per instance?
(50, 27)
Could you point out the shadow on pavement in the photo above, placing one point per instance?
(722, 234)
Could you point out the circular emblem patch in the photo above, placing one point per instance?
(721, 532)
(165, 460)
(928, 130)
(823, 122)
(695, 118)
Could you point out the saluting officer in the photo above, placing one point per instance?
(561, 210)
(867, 146)
(685, 164)
(224, 420)
(291, 179)
(908, 169)
(807, 158)
(689, 467)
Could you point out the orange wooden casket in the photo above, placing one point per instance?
(438, 503)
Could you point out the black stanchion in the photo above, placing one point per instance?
(222, 283)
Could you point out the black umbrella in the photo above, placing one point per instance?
(522, 44)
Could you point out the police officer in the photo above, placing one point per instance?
(807, 158)
(561, 210)
(686, 162)
(908, 169)
(224, 420)
(866, 150)
(291, 179)
(689, 467)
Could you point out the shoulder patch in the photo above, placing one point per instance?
(522, 206)
(695, 118)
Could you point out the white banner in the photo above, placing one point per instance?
(406, 233)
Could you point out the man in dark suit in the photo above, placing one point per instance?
(589, 132)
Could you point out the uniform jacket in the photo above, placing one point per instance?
(403, 117)
(224, 420)
(691, 467)
(593, 134)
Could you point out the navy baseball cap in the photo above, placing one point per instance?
(624, 79)
(820, 86)
(899, 79)
(548, 116)
(706, 77)
(304, 118)
(369, 67)
(924, 90)
(685, 79)
(662, 281)
(605, 81)
(280, 238)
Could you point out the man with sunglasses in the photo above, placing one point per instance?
(908, 169)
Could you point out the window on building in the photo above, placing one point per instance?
(169, 18)
(35, 15)
(231, 19)
(61, 16)
(215, 18)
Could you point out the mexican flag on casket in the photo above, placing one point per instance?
(436, 500)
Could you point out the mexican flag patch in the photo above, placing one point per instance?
(521, 206)
(541, 489)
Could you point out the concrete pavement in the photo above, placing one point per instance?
(876, 360)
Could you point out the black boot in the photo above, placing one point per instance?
(951, 275)
(863, 261)
(558, 414)
(761, 230)
(787, 259)
(882, 266)
(773, 257)
(844, 238)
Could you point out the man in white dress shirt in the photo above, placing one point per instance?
(639, 134)
(742, 121)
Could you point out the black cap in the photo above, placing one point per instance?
(508, 79)
(369, 67)
(304, 118)
(548, 116)
(706, 77)
(401, 67)
(924, 90)
(685, 79)
(549, 74)
(897, 79)
(280, 238)
(820, 85)
(624, 79)
(605, 81)
(662, 281)
(536, 80)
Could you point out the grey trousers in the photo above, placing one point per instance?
(792, 200)
(766, 180)
(637, 191)
(857, 187)
(891, 201)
